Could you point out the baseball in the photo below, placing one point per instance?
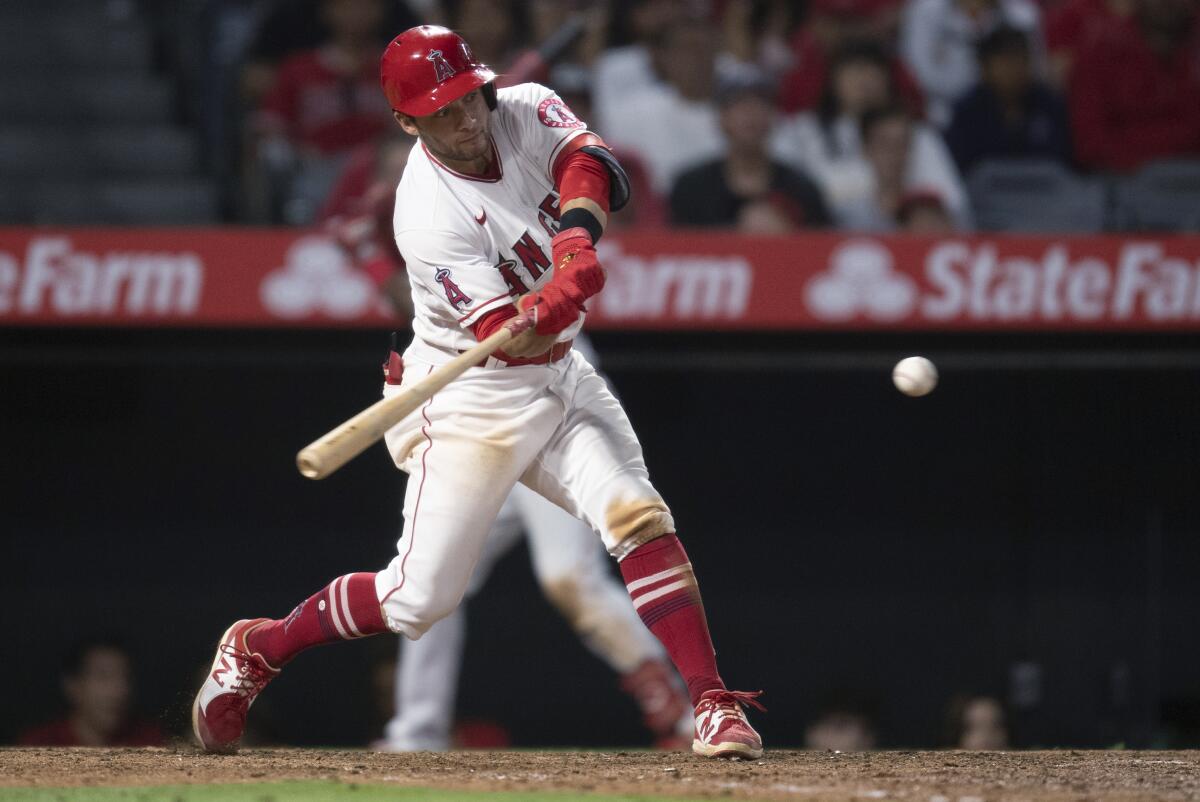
(915, 376)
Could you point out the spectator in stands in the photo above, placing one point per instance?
(1010, 113)
(358, 215)
(938, 39)
(832, 26)
(325, 102)
(891, 154)
(758, 36)
(286, 27)
(844, 723)
(1075, 23)
(673, 124)
(714, 193)
(97, 683)
(628, 67)
(1135, 91)
(493, 27)
(827, 144)
(977, 722)
(923, 213)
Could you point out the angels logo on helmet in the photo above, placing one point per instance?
(441, 67)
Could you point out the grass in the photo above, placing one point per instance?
(313, 791)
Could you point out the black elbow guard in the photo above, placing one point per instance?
(618, 185)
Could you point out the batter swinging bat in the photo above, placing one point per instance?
(326, 454)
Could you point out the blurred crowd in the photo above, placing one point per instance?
(765, 116)
(98, 686)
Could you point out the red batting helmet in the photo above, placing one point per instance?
(427, 67)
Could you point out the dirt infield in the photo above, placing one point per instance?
(819, 776)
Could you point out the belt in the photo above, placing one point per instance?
(556, 352)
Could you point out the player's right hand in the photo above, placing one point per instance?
(553, 308)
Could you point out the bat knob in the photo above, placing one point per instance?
(309, 463)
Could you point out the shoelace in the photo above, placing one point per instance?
(251, 678)
(732, 701)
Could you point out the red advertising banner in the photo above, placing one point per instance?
(666, 280)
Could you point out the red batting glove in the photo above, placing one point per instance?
(551, 307)
(576, 267)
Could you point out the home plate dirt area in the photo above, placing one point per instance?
(782, 774)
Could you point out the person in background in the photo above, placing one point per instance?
(672, 125)
(325, 102)
(97, 682)
(832, 26)
(842, 725)
(1135, 91)
(938, 39)
(1010, 113)
(977, 722)
(286, 27)
(757, 36)
(827, 144)
(493, 27)
(358, 215)
(714, 193)
(890, 154)
(1073, 24)
(635, 29)
(923, 213)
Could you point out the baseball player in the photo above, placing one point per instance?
(568, 560)
(497, 215)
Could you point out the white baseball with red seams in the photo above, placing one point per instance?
(915, 376)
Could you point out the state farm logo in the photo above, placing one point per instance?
(56, 278)
(861, 281)
(1003, 281)
(317, 277)
(684, 287)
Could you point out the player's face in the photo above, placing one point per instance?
(458, 132)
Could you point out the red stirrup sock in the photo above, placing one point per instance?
(345, 609)
(664, 592)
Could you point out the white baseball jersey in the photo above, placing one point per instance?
(474, 244)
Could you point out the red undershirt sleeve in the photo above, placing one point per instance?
(578, 175)
(491, 322)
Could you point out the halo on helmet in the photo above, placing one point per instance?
(446, 92)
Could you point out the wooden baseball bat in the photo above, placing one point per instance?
(343, 443)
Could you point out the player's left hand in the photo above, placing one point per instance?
(576, 265)
(553, 307)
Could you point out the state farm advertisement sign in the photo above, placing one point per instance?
(271, 277)
(825, 281)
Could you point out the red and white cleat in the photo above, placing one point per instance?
(235, 680)
(721, 726)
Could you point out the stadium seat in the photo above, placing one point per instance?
(85, 37)
(84, 96)
(96, 151)
(186, 201)
(1034, 195)
(1162, 196)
